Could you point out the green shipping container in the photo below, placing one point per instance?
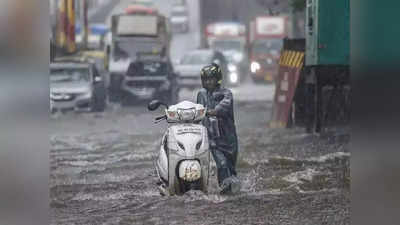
(328, 32)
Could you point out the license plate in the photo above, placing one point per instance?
(143, 91)
(193, 130)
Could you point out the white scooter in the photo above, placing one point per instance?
(183, 162)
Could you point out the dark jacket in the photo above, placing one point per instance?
(222, 101)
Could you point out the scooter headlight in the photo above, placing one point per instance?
(190, 170)
(187, 114)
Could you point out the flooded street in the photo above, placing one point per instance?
(102, 172)
(102, 164)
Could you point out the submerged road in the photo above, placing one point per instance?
(102, 169)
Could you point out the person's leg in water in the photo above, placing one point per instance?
(231, 158)
(226, 173)
(223, 170)
(233, 180)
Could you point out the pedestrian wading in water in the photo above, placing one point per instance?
(224, 143)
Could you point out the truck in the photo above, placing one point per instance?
(327, 71)
(137, 29)
(266, 34)
(230, 38)
(321, 97)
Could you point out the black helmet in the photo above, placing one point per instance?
(212, 70)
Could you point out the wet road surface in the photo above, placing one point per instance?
(102, 166)
(102, 173)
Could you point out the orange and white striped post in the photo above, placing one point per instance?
(290, 65)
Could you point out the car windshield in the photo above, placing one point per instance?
(197, 58)
(148, 68)
(58, 75)
(268, 46)
(227, 45)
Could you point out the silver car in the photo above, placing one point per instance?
(76, 86)
(189, 67)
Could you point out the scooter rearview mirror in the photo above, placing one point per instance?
(153, 105)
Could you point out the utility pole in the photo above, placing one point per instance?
(71, 45)
(66, 25)
(83, 11)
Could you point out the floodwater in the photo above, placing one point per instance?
(102, 164)
(102, 172)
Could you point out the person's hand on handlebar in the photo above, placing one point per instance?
(211, 112)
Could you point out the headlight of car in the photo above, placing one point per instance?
(238, 57)
(269, 61)
(232, 67)
(254, 67)
(233, 77)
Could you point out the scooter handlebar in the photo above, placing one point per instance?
(158, 119)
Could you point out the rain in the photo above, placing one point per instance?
(102, 157)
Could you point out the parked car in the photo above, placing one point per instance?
(150, 79)
(190, 65)
(180, 19)
(76, 85)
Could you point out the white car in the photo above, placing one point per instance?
(77, 86)
(180, 19)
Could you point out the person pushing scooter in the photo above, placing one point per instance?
(219, 103)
